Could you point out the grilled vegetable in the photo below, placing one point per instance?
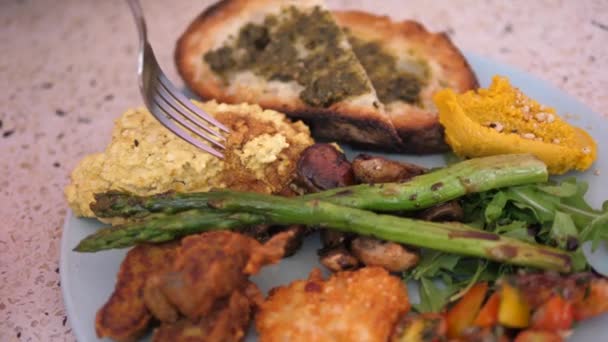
(513, 310)
(257, 208)
(470, 176)
(448, 211)
(461, 315)
(338, 259)
(374, 170)
(390, 255)
(556, 314)
(428, 327)
(593, 301)
(488, 315)
(322, 167)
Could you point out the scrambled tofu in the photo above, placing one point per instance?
(361, 305)
(145, 158)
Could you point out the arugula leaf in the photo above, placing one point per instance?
(481, 266)
(559, 209)
(548, 213)
(563, 229)
(432, 263)
(433, 297)
(516, 229)
(596, 230)
(564, 189)
(541, 204)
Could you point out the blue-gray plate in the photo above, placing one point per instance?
(88, 279)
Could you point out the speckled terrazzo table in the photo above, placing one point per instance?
(67, 70)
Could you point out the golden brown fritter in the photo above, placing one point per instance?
(209, 267)
(227, 322)
(360, 305)
(125, 317)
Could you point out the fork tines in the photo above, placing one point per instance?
(177, 107)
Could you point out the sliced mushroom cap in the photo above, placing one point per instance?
(338, 259)
(444, 212)
(374, 169)
(260, 232)
(322, 167)
(331, 238)
(390, 255)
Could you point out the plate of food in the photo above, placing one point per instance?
(378, 185)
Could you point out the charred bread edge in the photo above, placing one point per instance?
(426, 138)
(383, 133)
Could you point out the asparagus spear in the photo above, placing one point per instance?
(474, 175)
(160, 228)
(446, 237)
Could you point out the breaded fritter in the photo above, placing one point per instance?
(144, 158)
(358, 305)
(209, 267)
(227, 322)
(125, 317)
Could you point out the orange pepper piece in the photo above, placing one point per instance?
(555, 314)
(462, 315)
(595, 301)
(488, 315)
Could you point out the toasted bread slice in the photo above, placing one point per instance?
(415, 50)
(354, 115)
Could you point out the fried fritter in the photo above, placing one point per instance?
(125, 317)
(209, 267)
(227, 322)
(360, 305)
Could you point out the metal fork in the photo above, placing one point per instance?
(168, 104)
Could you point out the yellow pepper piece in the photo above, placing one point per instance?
(502, 120)
(513, 310)
(413, 333)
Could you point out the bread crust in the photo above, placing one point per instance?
(395, 126)
(363, 125)
(418, 127)
(358, 124)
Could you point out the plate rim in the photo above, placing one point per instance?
(471, 57)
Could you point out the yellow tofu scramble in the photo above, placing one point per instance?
(145, 158)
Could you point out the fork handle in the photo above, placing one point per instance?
(138, 16)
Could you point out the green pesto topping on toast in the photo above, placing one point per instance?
(393, 81)
(305, 47)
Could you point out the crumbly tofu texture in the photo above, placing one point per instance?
(145, 158)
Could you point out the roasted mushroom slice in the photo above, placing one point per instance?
(338, 259)
(260, 232)
(390, 255)
(374, 169)
(444, 212)
(332, 238)
(322, 167)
